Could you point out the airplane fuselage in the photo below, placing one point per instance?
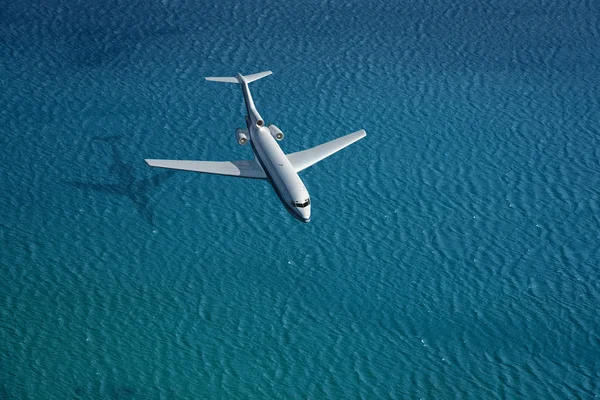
(279, 171)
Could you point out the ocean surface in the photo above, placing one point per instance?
(453, 253)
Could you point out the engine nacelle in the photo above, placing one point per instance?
(241, 136)
(276, 132)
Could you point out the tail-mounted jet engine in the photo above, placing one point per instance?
(276, 132)
(241, 136)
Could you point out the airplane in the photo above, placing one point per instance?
(270, 162)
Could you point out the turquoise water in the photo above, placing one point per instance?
(453, 252)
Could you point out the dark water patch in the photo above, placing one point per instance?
(5, 394)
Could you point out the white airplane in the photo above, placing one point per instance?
(270, 162)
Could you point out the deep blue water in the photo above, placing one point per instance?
(453, 252)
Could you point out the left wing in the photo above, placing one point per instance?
(242, 169)
(305, 158)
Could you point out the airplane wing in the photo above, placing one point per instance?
(242, 169)
(305, 158)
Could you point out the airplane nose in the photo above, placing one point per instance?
(305, 213)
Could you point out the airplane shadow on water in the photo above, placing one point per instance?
(127, 184)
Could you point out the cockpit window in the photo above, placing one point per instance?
(302, 205)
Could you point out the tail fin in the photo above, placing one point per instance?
(240, 78)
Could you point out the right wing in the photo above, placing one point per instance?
(305, 158)
(242, 169)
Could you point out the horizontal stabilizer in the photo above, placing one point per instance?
(246, 78)
(305, 158)
(226, 79)
(242, 169)
(257, 76)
